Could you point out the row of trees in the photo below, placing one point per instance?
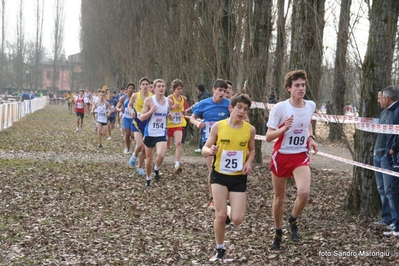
(253, 43)
(20, 59)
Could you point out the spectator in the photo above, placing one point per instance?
(272, 98)
(202, 93)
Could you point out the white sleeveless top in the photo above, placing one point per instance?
(156, 126)
(102, 113)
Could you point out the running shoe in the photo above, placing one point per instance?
(294, 231)
(211, 206)
(148, 183)
(197, 151)
(391, 233)
(177, 169)
(219, 256)
(126, 151)
(132, 160)
(381, 223)
(276, 243)
(100, 145)
(77, 129)
(140, 171)
(157, 176)
(95, 129)
(109, 138)
(80, 128)
(391, 227)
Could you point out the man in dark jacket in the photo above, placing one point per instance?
(390, 97)
(202, 93)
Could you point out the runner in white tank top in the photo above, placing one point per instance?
(103, 110)
(156, 108)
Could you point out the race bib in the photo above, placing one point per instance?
(80, 105)
(177, 118)
(208, 126)
(231, 161)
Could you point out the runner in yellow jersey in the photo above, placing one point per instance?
(177, 123)
(136, 106)
(232, 144)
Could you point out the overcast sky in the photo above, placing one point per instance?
(72, 24)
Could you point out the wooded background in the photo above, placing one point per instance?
(252, 43)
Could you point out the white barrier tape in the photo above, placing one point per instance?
(378, 128)
(363, 165)
(344, 119)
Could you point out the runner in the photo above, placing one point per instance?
(126, 117)
(112, 116)
(87, 100)
(101, 108)
(231, 144)
(80, 110)
(117, 97)
(156, 109)
(138, 126)
(211, 110)
(177, 123)
(290, 122)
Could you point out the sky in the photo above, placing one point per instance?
(71, 22)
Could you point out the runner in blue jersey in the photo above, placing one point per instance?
(126, 117)
(211, 110)
(112, 117)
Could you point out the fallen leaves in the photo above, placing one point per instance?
(63, 201)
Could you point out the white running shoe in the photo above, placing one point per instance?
(126, 151)
(77, 129)
(109, 138)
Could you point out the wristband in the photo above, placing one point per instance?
(312, 137)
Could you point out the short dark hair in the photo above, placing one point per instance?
(294, 75)
(201, 87)
(144, 79)
(220, 83)
(240, 98)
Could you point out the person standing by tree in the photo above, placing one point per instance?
(379, 151)
(156, 109)
(211, 110)
(390, 100)
(177, 123)
(290, 123)
(231, 144)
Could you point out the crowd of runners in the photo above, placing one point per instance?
(151, 119)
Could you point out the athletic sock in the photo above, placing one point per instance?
(148, 178)
(156, 168)
(279, 232)
(292, 219)
(221, 246)
(177, 163)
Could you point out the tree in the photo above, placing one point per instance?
(36, 71)
(3, 40)
(279, 55)
(307, 42)
(261, 29)
(362, 196)
(58, 38)
(340, 86)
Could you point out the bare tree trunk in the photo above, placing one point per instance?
(38, 44)
(20, 47)
(278, 66)
(340, 86)
(261, 25)
(3, 37)
(58, 38)
(363, 196)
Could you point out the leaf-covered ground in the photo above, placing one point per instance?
(65, 202)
